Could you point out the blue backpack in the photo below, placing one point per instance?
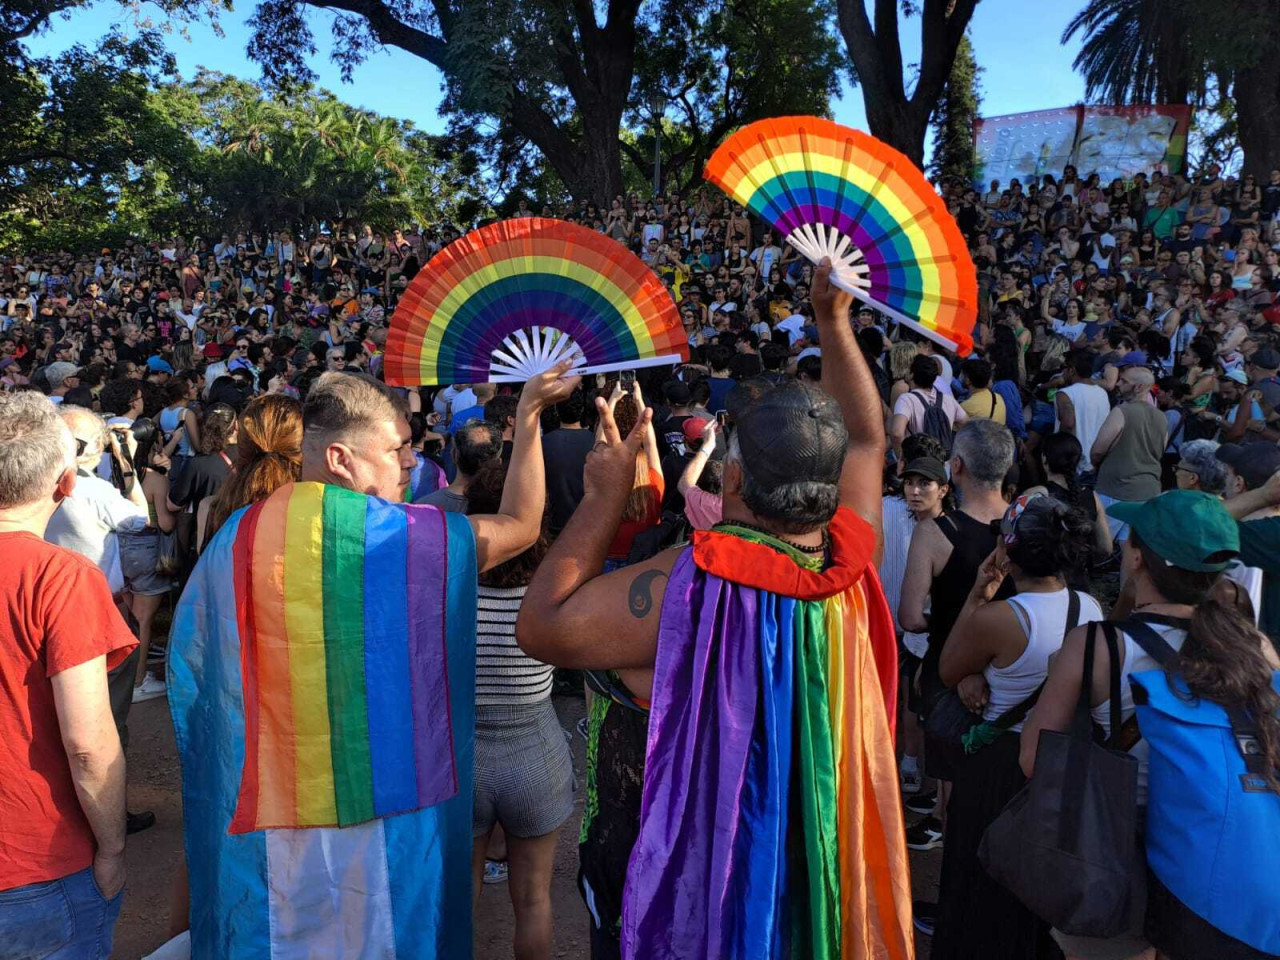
(1213, 822)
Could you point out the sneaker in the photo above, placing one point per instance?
(137, 822)
(495, 871)
(922, 802)
(583, 729)
(923, 915)
(149, 689)
(925, 835)
(910, 779)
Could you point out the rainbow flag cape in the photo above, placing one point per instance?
(771, 824)
(321, 682)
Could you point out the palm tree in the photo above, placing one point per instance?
(1135, 51)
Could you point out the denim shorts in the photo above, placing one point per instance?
(67, 919)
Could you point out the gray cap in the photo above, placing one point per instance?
(57, 373)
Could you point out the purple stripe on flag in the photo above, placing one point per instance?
(428, 668)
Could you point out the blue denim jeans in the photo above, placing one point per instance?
(65, 919)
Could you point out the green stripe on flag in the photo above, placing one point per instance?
(344, 513)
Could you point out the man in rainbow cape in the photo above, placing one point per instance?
(766, 823)
(321, 681)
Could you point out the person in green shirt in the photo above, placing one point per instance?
(1253, 498)
(1162, 217)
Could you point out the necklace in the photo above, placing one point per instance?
(821, 548)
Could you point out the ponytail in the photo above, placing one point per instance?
(1222, 659)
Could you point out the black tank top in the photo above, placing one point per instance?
(971, 543)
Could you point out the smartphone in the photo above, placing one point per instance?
(628, 379)
(722, 419)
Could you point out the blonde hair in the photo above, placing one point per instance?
(900, 356)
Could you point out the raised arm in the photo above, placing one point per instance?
(516, 525)
(693, 472)
(847, 378)
(573, 616)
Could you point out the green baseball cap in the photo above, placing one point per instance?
(1185, 528)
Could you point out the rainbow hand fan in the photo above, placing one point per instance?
(511, 299)
(841, 193)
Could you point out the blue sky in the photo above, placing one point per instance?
(1016, 43)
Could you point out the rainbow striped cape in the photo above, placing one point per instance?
(321, 681)
(770, 824)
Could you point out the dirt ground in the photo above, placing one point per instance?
(154, 855)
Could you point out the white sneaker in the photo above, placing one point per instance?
(910, 778)
(149, 689)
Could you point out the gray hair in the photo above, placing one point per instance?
(987, 449)
(1200, 457)
(86, 426)
(341, 403)
(35, 448)
(788, 507)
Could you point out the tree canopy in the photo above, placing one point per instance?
(564, 77)
(111, 143)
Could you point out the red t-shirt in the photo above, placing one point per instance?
(58, 614)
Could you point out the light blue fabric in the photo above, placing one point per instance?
(1213, 829)
(431, 905)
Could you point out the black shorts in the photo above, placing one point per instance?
(909, 663)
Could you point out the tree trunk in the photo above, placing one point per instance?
(1257, 92)
(902, 126)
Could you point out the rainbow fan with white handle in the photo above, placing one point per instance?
(511, 299)
(837, 192)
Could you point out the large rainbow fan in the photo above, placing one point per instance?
(841, 193)
(511, 299)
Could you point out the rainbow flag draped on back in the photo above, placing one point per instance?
(770, 825)
(321, 681)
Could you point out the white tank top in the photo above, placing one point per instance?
(1091, 405)
(1044, 619)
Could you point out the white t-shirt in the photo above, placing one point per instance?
(794, 325)
(88, 520)
(1072, 331)
(764, 258)
(1108, 241)
(1091, 405)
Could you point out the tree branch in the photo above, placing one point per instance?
(391, 31)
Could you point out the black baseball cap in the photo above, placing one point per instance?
(793, 434)
(1254, 463)
(930, 468)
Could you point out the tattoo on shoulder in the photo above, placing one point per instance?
(640, 594)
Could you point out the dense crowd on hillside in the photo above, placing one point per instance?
(1109, 454)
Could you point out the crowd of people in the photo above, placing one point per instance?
(1091, 497)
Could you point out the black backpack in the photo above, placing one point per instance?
(935, 422)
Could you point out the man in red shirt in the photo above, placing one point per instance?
(62, 775)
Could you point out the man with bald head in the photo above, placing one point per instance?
(1129, 445)
(322, 685)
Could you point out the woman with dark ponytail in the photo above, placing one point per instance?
(1060, 456)
(996, 658)
(1178, 547)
